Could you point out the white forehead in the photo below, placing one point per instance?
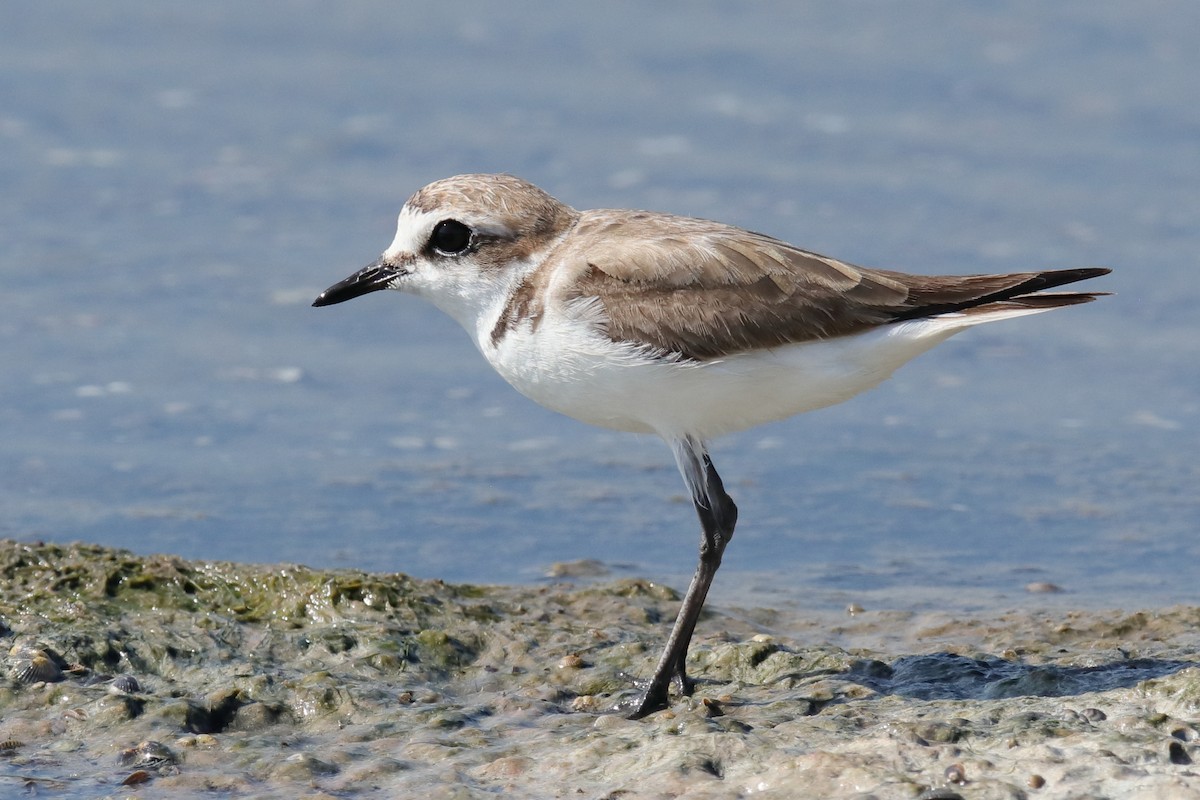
(414, 226)
(412, 231)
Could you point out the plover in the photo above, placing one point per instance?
(680, 327)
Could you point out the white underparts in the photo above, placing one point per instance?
(569, 366)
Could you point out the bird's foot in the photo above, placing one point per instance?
(648, 703)
(657, 696)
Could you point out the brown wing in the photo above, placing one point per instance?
(706, 290)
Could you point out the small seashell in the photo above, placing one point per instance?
(956, 773)
(148, 754)
(571, 661)
(125, 684)
(134, 778)
(35, 666)
(586, 703)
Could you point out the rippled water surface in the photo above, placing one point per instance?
(180, 180)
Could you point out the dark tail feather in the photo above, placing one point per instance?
(1015, 290)
(1039, 301)
(1048, 280)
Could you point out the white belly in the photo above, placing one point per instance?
(566, 366)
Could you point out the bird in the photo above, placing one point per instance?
(685, 328)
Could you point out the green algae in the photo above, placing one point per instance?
(765, 661)
(261, 679)
(53, 579)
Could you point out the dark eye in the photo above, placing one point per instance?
(450, 237)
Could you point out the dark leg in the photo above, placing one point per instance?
(718, 515)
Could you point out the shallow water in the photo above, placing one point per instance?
(181, 181)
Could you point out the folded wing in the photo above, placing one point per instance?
(706, 290)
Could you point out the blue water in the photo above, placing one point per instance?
(180, 180)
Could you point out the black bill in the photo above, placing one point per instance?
(370, 278)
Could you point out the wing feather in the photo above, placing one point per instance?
(704, 290)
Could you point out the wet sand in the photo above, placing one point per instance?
(155, 676)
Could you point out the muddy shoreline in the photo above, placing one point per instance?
(156, 676)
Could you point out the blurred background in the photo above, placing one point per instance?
(179, 181)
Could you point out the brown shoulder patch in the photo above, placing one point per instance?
(523, 306)
(528, 301)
